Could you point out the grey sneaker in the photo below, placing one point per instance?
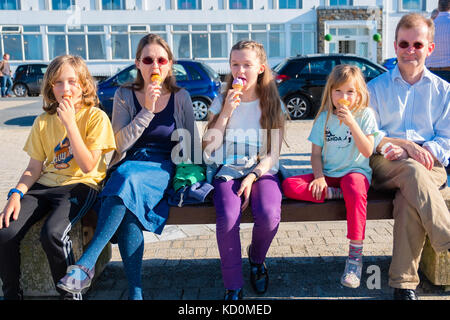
(352, 274)
(73, 285)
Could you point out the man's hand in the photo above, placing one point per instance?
(421, 155)
(395, 152)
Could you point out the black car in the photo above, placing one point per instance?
(27, 79)
(301, 79)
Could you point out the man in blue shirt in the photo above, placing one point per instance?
(412, 105)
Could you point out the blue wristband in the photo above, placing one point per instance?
(14, 190)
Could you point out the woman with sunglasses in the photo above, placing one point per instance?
(145, 114)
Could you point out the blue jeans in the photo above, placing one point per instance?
(6, 85)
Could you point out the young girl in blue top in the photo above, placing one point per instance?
(342, 141)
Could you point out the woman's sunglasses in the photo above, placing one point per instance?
(406, 45)
(149, 60)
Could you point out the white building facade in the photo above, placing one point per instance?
(106, 32)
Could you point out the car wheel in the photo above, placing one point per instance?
(298, 106)
(20, 90)
(200, 106)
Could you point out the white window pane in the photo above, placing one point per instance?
(240, 36)
(241, 4)
(200, 45)
(32, 44)
(199, 27)
(258, 27)
(119, 46)
(276, 44)
(411, 4)
(55, 28)
(189, 4)
(96, 45)
(31, 28)
(56, 45)
(77, 45)
(363, 49)
(95, 29)
(12, 44)
(332, 48)
(296, 43)
(113, 4)
(218, 45)
(157, 27)
(61, 4)
(218, 27)
(181, 46)
(260, 37)
(308, 38)
(9, 5)
(135, 38)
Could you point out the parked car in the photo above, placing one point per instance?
(390, 63)
(301, 79)
(27, 79)
(200, 80)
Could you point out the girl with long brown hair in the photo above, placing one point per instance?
(246, 127)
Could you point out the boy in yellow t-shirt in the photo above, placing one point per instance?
(67, 146)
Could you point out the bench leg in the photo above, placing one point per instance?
(436, 267)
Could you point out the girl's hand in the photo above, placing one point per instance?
(152, 94)
(245, 189)
(344, 114)
(12, 208)
(317, 187)
(66, 112)
(232, 100)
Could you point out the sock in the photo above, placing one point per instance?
(130, 240)
(334, 193)
(109, 218)
(355, 252)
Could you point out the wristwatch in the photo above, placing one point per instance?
(257, 175)
(14, 190)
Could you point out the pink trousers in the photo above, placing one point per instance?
(354, 188)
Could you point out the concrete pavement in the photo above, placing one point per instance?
(305, 260)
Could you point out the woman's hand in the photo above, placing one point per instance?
(12, 208)
(232, 100)
(245, 189)
(317, 187)
(66, 113)
(152, 94)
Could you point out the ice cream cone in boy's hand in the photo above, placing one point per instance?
(156, 78)
(344, 103)
(238, 84)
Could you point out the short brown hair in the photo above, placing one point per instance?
(170, 81)
(412, 20)
(89, 91)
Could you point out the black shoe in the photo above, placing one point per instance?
(259, 276)
(404, 294)
(234, 294)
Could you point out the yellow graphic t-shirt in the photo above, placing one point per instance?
(48, 142)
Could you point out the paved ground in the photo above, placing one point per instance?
(305, 260)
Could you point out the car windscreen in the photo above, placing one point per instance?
(213, 74)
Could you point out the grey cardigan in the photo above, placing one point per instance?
(128, 125)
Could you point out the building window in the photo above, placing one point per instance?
(335, 3)
(9, 4)
(412, 5)
(113, 4)
(270, 36)
(240, 4)
(12, 44)
(302, 39)
(189, 4)
(290, 4)
(62, 4)
(96, 42)
(32, 43)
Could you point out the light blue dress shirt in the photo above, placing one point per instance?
(418, 112)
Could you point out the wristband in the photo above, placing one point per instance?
(14, 190)
(256, 174)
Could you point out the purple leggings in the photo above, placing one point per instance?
(265, 201)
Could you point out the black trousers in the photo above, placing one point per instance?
(61, 207)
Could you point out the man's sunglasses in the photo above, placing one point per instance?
(149, 60)
(406, 45)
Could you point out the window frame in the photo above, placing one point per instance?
(198, 5)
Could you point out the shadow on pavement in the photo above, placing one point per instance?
(290, 278)
(26, 121)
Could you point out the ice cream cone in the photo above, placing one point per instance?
(238, 84)
(156, 78)
(344, 103)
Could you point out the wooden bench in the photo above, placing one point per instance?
(37, 281)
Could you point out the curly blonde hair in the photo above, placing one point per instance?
(89, 90)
